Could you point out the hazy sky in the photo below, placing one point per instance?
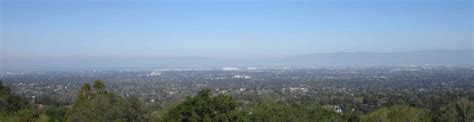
(34, 29)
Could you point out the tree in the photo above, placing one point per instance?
(15, 108)
(84, 93)
(460, 111)
(103, 106)
(397, 113)
(136, 109)
(204, 107)
(99, 86)
(4, 91)
(55, 114)
(10, 103)
(269, 110)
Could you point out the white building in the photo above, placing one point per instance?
(155, 73)
(230, 68)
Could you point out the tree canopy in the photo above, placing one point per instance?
(95, 104)
(269, 110)
(204, 107)
(461, 110)
(397, 113)
(13, 107)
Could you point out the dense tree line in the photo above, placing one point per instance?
(15, 108)
(95, 103)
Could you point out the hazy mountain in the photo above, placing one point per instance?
(434, 57)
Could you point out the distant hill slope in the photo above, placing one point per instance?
(435, 57)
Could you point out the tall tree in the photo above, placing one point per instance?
(13, 107)
(103, 106)
(10, 103)
(460, 111)
(99, 86)
(204, 107)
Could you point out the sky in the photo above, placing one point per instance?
(70, 29)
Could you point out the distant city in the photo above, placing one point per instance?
(325, 85)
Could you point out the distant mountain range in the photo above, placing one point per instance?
(435, 57)
(432, 57)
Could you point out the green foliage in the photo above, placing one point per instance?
(102, 107)
(55, 114)
(397, 113)
(45, 118)
(269, 110)
(4, 91)
(99, 86)
(97, 105)
(459, 111)
(23, 115)
(9, 103)
(84, 93)
(162, 113)
(14, 108)
(13, 103)
(136, 109)
(26, 114)
(204, 107)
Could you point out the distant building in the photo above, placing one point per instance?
(251, 68)
(296, 89)
(237, 76)
(155, 73)
(242, 77)
(230, 68)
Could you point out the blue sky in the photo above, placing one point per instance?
(33, 29)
